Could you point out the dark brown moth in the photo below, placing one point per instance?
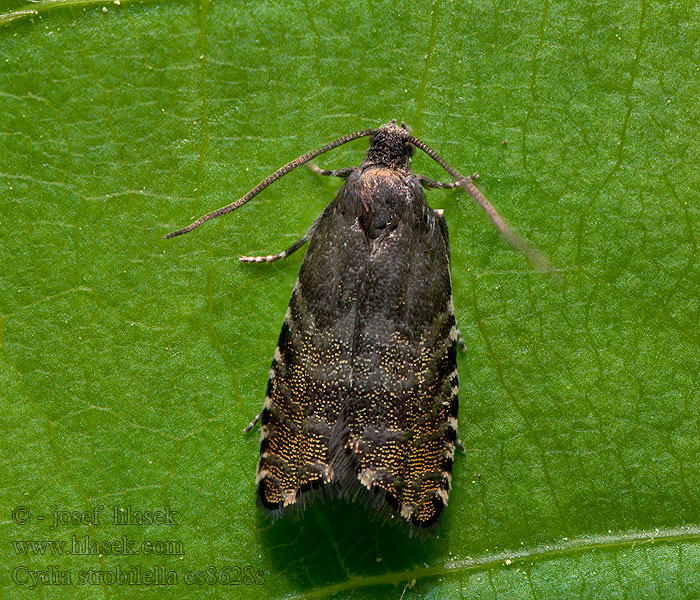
(362, 396)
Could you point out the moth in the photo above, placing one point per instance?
(362, 397)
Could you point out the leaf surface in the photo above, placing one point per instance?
(129, 365)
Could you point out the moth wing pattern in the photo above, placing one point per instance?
(362, 395)
(306, 382)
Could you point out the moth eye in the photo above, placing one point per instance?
(411, 149)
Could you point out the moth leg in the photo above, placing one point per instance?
(460, 341)
(254, 422)
(273, 257)
(428, 183)
(431, 184)
(332, 173)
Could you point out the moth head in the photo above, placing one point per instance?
(389, 146)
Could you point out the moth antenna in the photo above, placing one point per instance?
(271, 179)
(538, 260)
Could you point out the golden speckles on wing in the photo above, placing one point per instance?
(304, 404)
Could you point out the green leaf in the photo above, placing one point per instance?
(129, 365)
